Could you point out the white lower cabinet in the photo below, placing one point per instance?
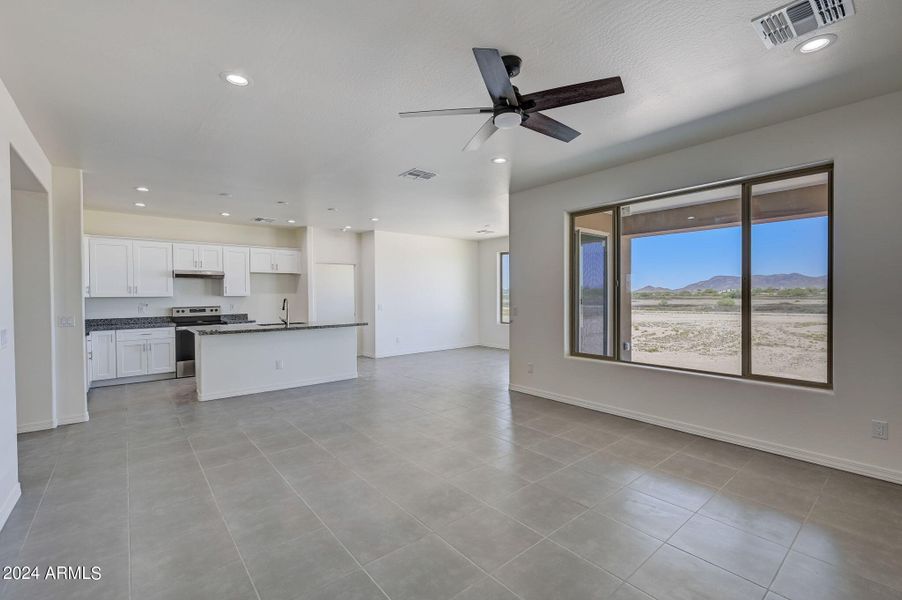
(161, 356)
(145, 351)
(103, 355)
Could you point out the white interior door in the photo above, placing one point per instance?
(334, 295)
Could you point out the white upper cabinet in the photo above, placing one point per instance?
(237, 268)
(210, 257)
(288, 261)
(152, 269)
(184, 257)
(195, 257)
(111, 270)
(119, 268)
(270, 260)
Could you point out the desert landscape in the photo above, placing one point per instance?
(700, 328)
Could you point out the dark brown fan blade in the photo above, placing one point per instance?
(494, 73)
(446, 112)
(484, 133)
(572, 94)
(550, 127)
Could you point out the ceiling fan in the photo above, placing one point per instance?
(510, 109)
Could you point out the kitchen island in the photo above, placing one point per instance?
(235, 360)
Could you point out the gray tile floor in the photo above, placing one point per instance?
(425, 479)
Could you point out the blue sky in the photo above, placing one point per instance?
(676, 260)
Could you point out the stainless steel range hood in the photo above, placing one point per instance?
(199, 274)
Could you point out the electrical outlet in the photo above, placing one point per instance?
(280, 364)
(879, 429)
(65, 322)
(529, 367)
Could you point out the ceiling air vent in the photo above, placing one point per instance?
(798, 18)
(266, 220)
(416, 174)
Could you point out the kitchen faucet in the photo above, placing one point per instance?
(287, 319)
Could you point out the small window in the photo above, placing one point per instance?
(504, 287)
(593, 293)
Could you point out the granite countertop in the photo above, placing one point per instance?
(149, 322)
(254, 328)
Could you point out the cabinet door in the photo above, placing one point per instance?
(103, 355)
(184, 257)
(161, 356)
(131, 358)
(288, 261)
(111, 273)
(88, 366)
(262, 260)
(237, 268)
(86, 267)
(153, 269)
(210, 257)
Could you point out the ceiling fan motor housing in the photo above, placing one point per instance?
(507, 118)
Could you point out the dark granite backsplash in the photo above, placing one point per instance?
(148, 322)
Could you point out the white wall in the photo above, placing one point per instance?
(267, 289)
(830, 427)
(368, 294)
(426, 293)
(492, 332)
(99, 222)
(68, 297)
(33, 309)
(13, 132)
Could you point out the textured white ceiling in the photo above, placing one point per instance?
(130, 92)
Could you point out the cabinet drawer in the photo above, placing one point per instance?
(156, 333)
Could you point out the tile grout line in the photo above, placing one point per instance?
(315, 514)
(222, 516)
(402, 509)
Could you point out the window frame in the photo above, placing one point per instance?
(501, 256)
(746, 184)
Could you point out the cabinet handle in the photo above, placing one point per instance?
(136, 290)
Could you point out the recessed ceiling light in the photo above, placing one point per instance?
(281, 203)
(374, 219)
(691, 218)
(226, 214)
(346, 228)
(816, 43)
(140, 204)
(236, 79)
(499, 160)
(142, 188)
(291, 220)
(332, 209)
(224, 195)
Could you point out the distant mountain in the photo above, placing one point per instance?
(722, 283)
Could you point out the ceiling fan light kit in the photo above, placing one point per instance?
(511, 109)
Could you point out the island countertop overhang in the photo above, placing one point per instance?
(254, 328)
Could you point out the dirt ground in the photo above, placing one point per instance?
(783, 345)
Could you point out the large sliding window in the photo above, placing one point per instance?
(728, 279)
(504, 288)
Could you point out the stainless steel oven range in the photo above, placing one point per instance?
(186, 317)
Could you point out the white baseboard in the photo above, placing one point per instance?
(79, 418)
(9, 503)
(496, 346)
(826, 460)
(273, 387)
(35, 426)
(427, 349)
